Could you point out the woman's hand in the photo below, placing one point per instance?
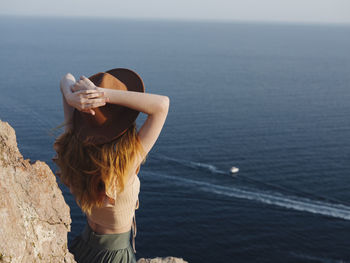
(86, 100)
(83, 84)
(82, 95)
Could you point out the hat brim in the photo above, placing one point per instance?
(118, 118)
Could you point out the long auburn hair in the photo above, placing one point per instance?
(91, 171)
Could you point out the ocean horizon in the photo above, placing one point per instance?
(271, 99)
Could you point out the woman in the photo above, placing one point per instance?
(99, 156)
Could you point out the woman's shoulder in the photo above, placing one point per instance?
(133, 176)
(134, 171)
(130, 182)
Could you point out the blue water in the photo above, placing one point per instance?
(272, 99)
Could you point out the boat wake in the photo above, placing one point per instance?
(339, 211)
(195, 165)
(256, 182)
(304, 257)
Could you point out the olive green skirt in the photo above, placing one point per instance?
(90, 247)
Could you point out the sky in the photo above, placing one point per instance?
(300, 11)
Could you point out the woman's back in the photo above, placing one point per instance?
(117, 212)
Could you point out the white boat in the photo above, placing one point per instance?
(234, 169)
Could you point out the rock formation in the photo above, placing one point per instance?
(34, 218)
(33, 214)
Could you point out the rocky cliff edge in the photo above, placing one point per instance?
(34, 218)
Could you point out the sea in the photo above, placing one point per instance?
(271, 99)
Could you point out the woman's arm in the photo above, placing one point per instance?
(66, 82)
(155, 106)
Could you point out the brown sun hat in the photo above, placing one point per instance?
(110, 121)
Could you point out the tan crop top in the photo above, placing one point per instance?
(121, 214)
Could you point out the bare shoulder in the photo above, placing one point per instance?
(132, 175)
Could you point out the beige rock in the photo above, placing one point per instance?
(33, 214)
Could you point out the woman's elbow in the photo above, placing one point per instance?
(67, 76)
(164, 105)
